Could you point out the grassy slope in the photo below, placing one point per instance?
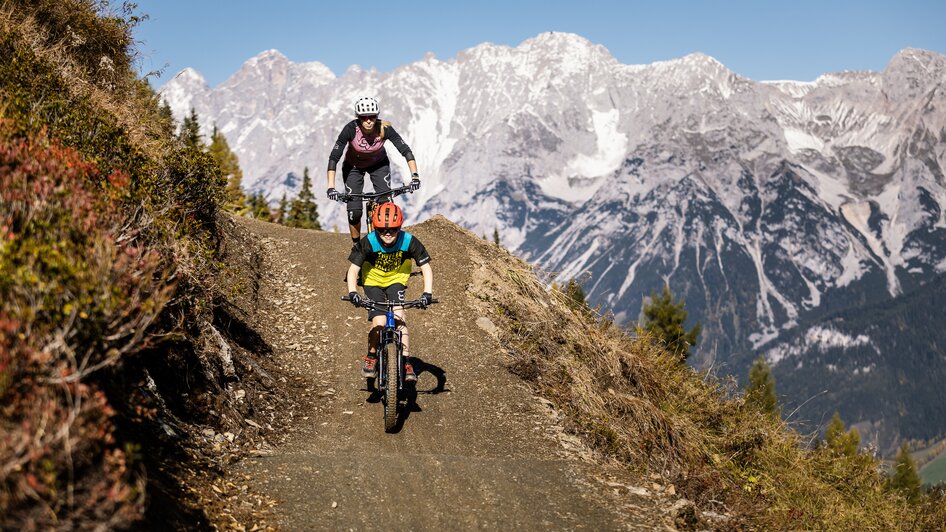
(935, 471)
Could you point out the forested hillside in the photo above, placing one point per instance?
(892, 378)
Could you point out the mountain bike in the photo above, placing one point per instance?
(390, 379)
(373, 199)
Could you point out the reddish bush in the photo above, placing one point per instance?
(80, 289)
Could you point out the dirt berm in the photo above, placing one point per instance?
(475, 448)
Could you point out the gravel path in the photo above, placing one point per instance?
(475, 448)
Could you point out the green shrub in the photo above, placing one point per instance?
(80, 288)
(36, 98)
(100, 208)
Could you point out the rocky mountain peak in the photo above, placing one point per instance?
(693, 75)
(567, 52)
(267, 57)
(191, 78)
(270, 67)
(914, 73)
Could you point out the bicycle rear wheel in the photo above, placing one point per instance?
(390, 392)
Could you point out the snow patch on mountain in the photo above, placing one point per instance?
(858, 214)
(610, 151)
(819, 339)
(799, 140)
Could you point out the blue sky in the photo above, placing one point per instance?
(762, 40)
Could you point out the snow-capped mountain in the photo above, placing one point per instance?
(765, 205)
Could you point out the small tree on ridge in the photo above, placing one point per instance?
(664, 318)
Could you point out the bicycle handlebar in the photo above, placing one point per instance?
(385, 305)
(393, 193)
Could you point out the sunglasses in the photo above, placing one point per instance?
(387, 231)
(368, 117)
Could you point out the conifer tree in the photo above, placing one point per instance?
(258, 206)
(303, 212)
(576, 295)
(760, 392)
(251, 204)
(262, 210)
(279, 216)
(839, 440)
(904, 478)
(496, 235)
(230, 168)
(166, 119)
(190, 131)
(664, 318)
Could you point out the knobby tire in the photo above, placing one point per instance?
(390, 392)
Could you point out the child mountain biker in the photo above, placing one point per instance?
(383, 261)
(364, 139)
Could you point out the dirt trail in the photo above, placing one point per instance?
(476, 449)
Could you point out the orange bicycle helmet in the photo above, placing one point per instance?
(387, 216)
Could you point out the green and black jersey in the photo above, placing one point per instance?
(383, 266)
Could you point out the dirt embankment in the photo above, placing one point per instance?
(475, 447)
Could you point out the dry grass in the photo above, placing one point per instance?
(116, 92)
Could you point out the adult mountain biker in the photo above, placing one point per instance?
(382, 260)
(362, 141)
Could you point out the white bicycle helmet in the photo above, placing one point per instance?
(367, 106)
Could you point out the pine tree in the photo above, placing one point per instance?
(258, 206)
(760, 392)
(904, 478)
(496, 235)
(664, 318)
(190, 131)
(279, 216)
(166, 119)
(230, 168)
(251, 204)
(839, 440)
(576, 295)
(303, 212)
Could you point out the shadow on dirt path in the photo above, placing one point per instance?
(474, 448)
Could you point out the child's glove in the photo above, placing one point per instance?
(426, 299)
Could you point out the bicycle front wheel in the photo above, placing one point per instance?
(390, 392)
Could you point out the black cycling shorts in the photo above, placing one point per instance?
(354, 179)
(395, 292)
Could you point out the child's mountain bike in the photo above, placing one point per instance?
(390, 380)
(373, 199)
